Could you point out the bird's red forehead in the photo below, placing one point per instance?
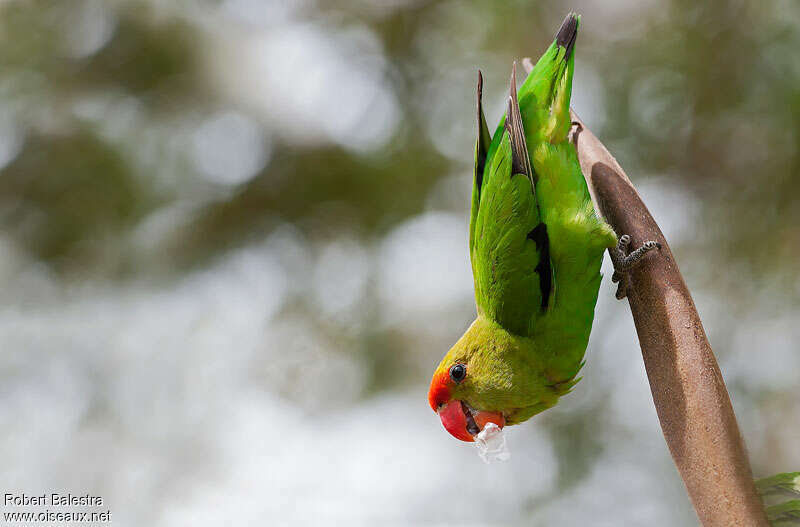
(439, 392)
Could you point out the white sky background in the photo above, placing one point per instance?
(200, 402)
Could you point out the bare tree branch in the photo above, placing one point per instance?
(688, 390)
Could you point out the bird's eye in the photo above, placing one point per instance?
(458, 372)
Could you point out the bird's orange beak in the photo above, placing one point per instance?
(457, 417)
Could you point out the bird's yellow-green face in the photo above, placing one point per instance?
(450, 400)
(462, 390)
(488, 376)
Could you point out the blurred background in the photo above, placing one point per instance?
(233, 248)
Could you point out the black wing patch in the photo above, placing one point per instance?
(543, 268)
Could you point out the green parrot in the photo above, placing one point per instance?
(536, 246)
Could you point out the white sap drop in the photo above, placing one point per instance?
(491, 444)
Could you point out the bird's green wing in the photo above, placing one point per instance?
(509, 247)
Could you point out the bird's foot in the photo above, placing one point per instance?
(574, 131)
(624, 262)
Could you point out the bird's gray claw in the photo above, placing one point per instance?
(624, 262)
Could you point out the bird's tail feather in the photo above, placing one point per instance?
(567, 33)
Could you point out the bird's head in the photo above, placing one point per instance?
(448, 399)
(459, 393)
(492, 376)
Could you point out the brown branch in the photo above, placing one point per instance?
(688, 391)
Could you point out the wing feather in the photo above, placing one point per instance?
(509, 244)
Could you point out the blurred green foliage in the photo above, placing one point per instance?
(66, 191)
